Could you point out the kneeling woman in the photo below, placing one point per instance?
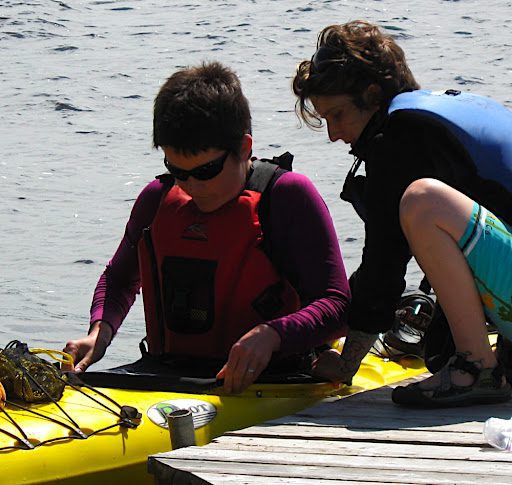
(438, 186)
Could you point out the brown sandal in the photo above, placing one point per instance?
(487, 388)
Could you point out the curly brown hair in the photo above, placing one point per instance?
(349, 58)
(201, 107)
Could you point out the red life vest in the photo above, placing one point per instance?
(205, 279)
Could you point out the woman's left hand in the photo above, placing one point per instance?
(248, 357)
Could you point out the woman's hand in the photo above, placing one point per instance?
(329, 366)
(248, 357)
(336, 367)
(90, 349)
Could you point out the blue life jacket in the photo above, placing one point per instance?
(482, 126)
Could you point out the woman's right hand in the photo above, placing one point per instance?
(88, 350)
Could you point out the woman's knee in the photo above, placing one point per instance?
(421, 201)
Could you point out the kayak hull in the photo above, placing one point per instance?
(108, 450)
(118, 450)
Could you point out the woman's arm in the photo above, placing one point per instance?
(117, 287)
(305, 247)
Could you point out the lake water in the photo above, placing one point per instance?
(78, 79)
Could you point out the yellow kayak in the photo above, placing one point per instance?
(84, 440)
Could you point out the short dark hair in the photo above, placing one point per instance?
(201, 107)
(348, 59)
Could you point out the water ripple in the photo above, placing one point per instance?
(60, 106)
(65, 48)
(468, 80)
(78, 83)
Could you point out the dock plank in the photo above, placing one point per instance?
(362, 448)
(215, 478)
(329, 460)
(402, 435)
(313, 473)
(360, 439)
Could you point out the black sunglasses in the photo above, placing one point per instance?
(206, 171)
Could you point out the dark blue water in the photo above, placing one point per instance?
(78, 80)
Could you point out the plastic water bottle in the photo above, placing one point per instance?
(498, 433)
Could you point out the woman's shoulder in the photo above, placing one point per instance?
(295, 191)
(152, 189)
(293, 182)
(151, 193)
(147, 203)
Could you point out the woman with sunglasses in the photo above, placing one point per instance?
(438, 185)
(237, 259)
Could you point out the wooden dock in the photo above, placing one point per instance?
(364, 438)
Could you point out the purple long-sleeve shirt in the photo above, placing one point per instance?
(303, 240)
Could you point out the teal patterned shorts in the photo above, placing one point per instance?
(487, 246)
